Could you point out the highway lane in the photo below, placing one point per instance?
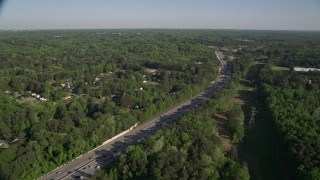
(101, 157)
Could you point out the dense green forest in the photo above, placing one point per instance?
(65, 92)
(293, 99)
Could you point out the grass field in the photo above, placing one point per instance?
(260, 148)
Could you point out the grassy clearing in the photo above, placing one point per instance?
(261, 151)
(260, 148)
(279, 68)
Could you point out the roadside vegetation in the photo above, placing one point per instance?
(190, 148)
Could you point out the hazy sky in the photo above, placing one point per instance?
(212, 14)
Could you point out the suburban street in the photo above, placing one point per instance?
(104, 155)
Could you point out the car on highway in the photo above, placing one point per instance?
(79, 177)
(116, 153)
(141, 139)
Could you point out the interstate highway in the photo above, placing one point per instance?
(85, 165)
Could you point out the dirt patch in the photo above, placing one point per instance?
(221, 116)
(224, 132)
(226, 144)
(237, 100)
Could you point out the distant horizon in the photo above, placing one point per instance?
(284, 15)
(294, 30)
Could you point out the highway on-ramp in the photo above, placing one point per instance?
(104, 155)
